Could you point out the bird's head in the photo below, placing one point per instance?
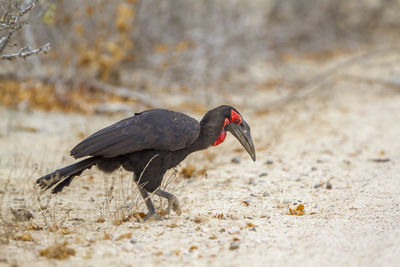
(225, 119)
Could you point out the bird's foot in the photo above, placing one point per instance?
(173, 203)
(151, 217)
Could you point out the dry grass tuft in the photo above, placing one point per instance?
(57, 251)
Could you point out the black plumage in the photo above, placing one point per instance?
(149, 144)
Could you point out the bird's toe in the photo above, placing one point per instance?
(151, 217)
(176, 206)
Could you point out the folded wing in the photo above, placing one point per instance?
(153, 129)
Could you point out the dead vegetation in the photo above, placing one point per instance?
(57, 251)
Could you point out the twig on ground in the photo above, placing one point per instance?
(123, 92)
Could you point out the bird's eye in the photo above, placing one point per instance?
(235, 117)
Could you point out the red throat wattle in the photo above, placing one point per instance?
(235, 118)
(222, 135)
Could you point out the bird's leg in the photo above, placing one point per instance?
(152, 214)
(173, 202)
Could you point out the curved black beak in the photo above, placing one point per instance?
(242, 133)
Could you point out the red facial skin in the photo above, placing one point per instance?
(235, 118)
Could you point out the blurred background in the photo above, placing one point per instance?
(123, 56)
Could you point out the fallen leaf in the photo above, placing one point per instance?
(117, 222)
(158, 253)
(176, 252)
(53, 228)
(25, 237)
(300, 207)
(33, 226)
(193, 248)
(173, 225)
(100, 220)
(298, 211)
(106, 236)
(65, 230)
(25, 128)
(245, 202)
(162, 212)
(200, 219)
(213, 237)
(219, 216)
(139, 215)
(250, 225)
(126, 235)
(188, 171)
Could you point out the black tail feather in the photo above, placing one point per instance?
(63, 177)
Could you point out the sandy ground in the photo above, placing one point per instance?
(237, 214)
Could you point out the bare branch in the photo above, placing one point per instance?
(28, 8)
(26, 52)
(12, 21)
(4, 41)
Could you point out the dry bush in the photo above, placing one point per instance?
(13, 19)
(187, 45)
(199, 39)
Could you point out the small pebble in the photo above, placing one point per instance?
(269, 162)
(234, 245)
(253, 195)
(314, 168)
(253, 229)
(132, 240)
(328, 185)
(262, 174)
(298, 179)
(317, 185)
(234, 231)
(252, 181)
(190, 180)
(266, 194)
(22, 214)
(128, 247)
(236, 160)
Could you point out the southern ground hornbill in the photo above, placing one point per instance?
(149, 144)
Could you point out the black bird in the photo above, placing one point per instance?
(149, 144)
